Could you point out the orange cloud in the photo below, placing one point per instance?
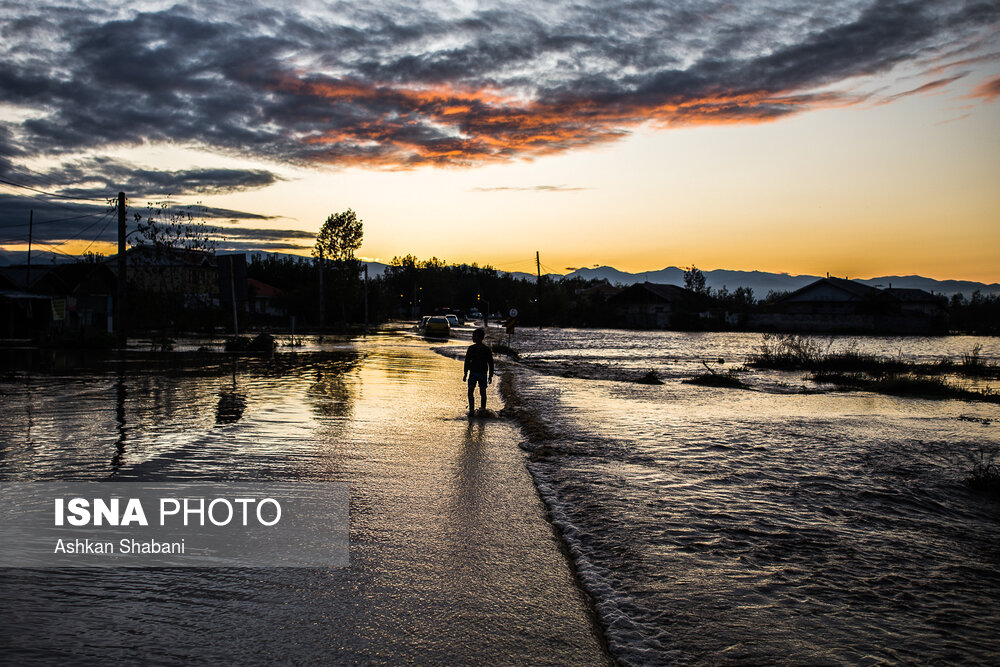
(396, 127)
(987, 91)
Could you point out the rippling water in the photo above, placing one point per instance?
(778, 525)
(787, 524)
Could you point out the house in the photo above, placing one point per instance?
(265, 299)
(601, 289)
(23, 315)
(653, 305)
(916, 301)
(56, 299)
(190, 275)
(840, 305)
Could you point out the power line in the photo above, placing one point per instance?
(106, 223)
(55, 248)
(68, 207)
(49, 194)
(84, 230)
(21, 239)
(45, 222)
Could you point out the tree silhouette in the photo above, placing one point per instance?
(694, 280)
(339, 237)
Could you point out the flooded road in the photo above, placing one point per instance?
(785, 524)
(451, 557)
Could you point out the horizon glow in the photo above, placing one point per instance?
(822, 142)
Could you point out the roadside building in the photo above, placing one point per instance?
(188, 275)
(265, 299)
(653, 306)
(56, 299)
(832, 305)
(601, 289)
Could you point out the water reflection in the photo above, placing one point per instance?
(160, 414)
(232, 403)
(330, 394)
(120, 394)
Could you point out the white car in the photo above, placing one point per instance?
(452, 320)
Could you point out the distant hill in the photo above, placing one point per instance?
(948, 287)
(761, 282)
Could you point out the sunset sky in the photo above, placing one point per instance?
(856, 138)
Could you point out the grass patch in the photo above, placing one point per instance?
(785, 352)
(985, 475)
(728, 380)
(791, 352)
(651, 377)
(973, 365)
(713, 378)
(262, 343)
(905, 385)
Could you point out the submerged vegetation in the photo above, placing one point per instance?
(713, 378)
(800, 352)
(906, 385)
(650, 377)
(985, 475)
(718, 380)
(852, 368)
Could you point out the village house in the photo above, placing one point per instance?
(56, 299)
(653, 306)
(265, 299)
(842, 305)
(190, 275)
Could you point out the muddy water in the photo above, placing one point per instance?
(452, 560)
(787, 524)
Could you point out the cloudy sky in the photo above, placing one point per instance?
(859, 138)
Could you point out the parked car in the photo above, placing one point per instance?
(452, 319)
(437, 325)
(423, 321)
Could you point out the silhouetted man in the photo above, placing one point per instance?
(478, 369)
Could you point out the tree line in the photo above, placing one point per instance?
(330, 289)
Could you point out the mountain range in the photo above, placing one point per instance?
(762, 282)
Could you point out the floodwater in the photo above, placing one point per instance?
(786, 524)
(452, 560)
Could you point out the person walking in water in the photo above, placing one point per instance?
(478, 369)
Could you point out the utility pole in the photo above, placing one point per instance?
(122, 268)
(31, 227)
(538, 288)
(232, 295)
(366, 299)
(322, 306)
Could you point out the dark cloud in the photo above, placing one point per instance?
(244, 234)
(263, 246)
(56, 221)
(394, 86)
(100, 177)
